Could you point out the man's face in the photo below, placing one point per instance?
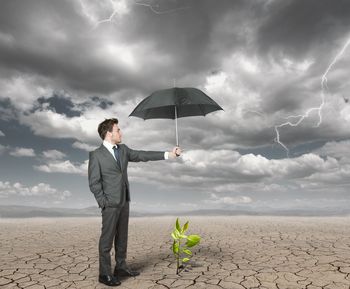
(116, 134)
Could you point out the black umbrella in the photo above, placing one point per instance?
(174, 103)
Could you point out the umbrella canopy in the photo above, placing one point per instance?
(188, 101)
(174, 103)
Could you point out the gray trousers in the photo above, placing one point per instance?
(115, 222)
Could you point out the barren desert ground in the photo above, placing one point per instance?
(235, 252)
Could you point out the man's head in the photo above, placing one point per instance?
(109, 131)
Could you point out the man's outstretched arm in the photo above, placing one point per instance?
(144, 156)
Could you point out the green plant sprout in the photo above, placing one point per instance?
(181, 251)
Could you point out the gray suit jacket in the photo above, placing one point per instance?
(107, 181)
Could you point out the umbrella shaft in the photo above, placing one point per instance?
(177, 136)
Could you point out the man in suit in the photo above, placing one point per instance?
(108, 181)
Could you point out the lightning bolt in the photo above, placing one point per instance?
(152, 7)
(119, 7)
(324, 88)
(110, 18)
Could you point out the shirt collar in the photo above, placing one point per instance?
(108, 145)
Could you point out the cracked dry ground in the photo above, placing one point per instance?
(236, 252)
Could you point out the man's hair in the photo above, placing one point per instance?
(106, 125)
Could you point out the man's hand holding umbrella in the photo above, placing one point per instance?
(176, 152)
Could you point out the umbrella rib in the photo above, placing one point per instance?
(200, 108)
(147, 112)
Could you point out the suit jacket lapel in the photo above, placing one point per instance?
(121, 156)
(109, 156)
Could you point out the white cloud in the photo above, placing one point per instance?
(83, 146)
(256, 188)
(230, 173)
(22, 152)
(1, 133)
(226, 200)
(65, 167)
(337, 149)
(118, 56)
(232, 163)
(287, 168)
(330, 177)
(23, 90)
(39, 190)
(53, 154)
(83, 128)
(46, 122)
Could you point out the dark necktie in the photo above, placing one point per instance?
(116, 154)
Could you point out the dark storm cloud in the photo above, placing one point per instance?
(102, 103)
(56, 41)
(285, 96)
(295, 27)
(188, 34)
(7, 110)
(94, 101)
(58, 103)
(51, 39)
(62, 103)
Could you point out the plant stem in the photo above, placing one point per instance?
(178, 259)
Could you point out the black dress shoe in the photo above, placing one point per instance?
(125, 272)
(109, 280)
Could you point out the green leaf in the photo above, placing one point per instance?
(186, 251)
(185, 227)
(177, 233)
(174, 235)
(183, 236)
(185, 260)
(175, 247)
(192, 240)
(178, 227)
